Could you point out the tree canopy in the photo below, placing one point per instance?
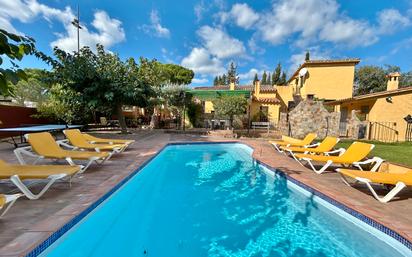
(370, 79)
(264, 78)
(307, 56)
(255, 78)
(229, 106)
(230, 76)
(282, 80)
(34, 89)
(101, 80)
(14, 47)
(276, 75)
(102, 83)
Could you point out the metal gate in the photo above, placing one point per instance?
(408, 134)
(343, 129)
(383, 131)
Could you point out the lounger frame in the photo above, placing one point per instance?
(28, 151)
(66, 143)
(383, 199)
(32, 196)
(10, 200)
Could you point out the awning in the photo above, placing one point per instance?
(213, 94)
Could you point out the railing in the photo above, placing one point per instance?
(383, 131)
(408, 134)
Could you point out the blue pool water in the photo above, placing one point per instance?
(213, 200)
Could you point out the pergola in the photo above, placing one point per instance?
(207, 95)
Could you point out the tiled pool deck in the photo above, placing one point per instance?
(30, 222)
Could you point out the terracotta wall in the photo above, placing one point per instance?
(15, 116)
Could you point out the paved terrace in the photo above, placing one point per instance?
(30, 222)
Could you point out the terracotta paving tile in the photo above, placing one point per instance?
(22, 244)
(30, 222)
(51, 224)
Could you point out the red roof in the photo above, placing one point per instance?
(265, 100)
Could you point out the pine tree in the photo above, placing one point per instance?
(274, 78)
(232, 75)
(264, 76)
(224, 80)
(307, 56)
(276, 74)
(215, 81)
(256, 78)
(268, 80)
(282, 79)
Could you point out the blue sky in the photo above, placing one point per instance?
(206, 35)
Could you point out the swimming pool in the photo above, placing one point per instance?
(214, 200)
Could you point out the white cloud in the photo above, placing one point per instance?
(243, 16)
(295, 16)
(200, 81)
(299, 58)
(391, 20)
(200, 61)
(199, 9)
(254, 47)
(321, 20)
(349, 32)
(249, 75)
(216, 45)
(220, 44)
(155, 27)
(108, 31)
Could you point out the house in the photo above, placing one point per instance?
(324, 79)
(321, 79)
(384, 112)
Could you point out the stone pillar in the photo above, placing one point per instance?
(257, 88)
(353, 125)
(232, 85)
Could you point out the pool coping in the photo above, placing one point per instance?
(39, 248)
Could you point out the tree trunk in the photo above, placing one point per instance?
(122, 121)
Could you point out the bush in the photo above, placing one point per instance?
(194, 113)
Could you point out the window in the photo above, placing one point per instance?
(263, 113)
(364, 109)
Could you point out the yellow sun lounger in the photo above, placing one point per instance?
(6, 201)
(289, 141)
(43, 145)
(325, 148)
(52, 173)
(354, 155)
(399, 180)
(77, 141)
(97, 140)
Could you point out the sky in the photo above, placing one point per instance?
(206, 35)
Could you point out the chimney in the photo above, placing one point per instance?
(393, 81)
(232, 85)
(257, 87)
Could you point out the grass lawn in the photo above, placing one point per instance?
(400, 153)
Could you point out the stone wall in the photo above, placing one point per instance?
(283, 124)
(356, 128)
(311, 116)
